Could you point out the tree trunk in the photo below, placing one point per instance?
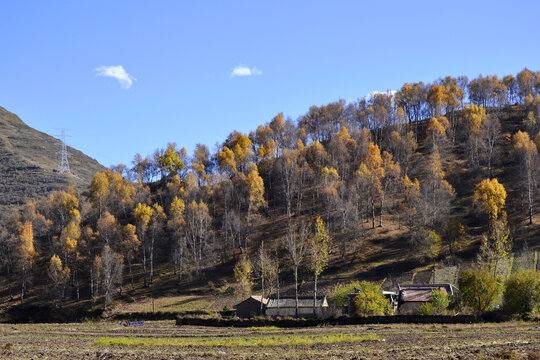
(144, 263)
(152, 261)
(131, 273)
(315, 298)
(262, 296)
(296, 290)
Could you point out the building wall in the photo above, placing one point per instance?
(409, 308)
(304, 312)
(248, 308)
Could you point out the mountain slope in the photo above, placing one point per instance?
(28, 163)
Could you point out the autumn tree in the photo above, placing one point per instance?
(369, 179)
(527, 155)
(142, 214)
(198, 235)
(169, 161)
(436, 193)
(130, 246)
(319, 243)
(410, 202)
(25, 254)
(96, 272)
(255, 186)
(201, 163)
(412, 98)
(70, 239)
(176, 224)
(59, 278)
(403, 146)
(496, 245)
(295, 244)
(437, 136)
(242, 273)
(109, 229)
(156, 225)
(99, 192)
(490, 195)
(491, 133)
(474, 116)
(454, 234)
(330, 182)
(265, 267)
(526, 80)
(390, 181)
(111, 263)
(479, 289)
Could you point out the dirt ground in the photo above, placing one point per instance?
(78, 341)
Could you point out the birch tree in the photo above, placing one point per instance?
(295, 244)
(319, 250)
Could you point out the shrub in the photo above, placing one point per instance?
(522, 294)
(226, 312)
(340, 292)
(371, 301)
(479, 289)
(426, 309)
(439, 300)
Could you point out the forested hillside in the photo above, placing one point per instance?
(439, 173)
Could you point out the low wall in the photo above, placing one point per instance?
(395, 319)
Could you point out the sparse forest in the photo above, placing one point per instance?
(440, 166)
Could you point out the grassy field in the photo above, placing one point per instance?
(165, 340)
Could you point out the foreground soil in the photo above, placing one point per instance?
(80, 341)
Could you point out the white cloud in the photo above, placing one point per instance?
(245, 71)
(117, 72)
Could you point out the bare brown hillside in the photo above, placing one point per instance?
(28, 163)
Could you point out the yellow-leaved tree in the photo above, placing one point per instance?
(25, 253)
(130, 245)
(496, 242)
(59, 278)
(242, 274)
(475, 116)
(143, 213)
(176, 224)
(490, 195)
(526, 152)
(319, 246)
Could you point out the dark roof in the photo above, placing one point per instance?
(421, 292)
(290, 302)
(254, 298)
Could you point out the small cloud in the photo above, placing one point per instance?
(245, 71)
(117, 72)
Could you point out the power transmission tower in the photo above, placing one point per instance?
(63, 167)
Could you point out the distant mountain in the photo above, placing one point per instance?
(29, 161)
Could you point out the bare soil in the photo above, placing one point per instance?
(77, 341)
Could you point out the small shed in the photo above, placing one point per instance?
(251, 306)
(287, 306)
(412, 296)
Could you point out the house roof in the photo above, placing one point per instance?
(421, 292)
(303, 302)
(256, 298)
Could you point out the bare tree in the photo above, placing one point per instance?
(198, 223)
(112, 273)
(295, 243)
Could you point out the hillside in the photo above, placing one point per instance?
(407, 188)
(28, 163)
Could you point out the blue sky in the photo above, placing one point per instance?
(179, 57)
